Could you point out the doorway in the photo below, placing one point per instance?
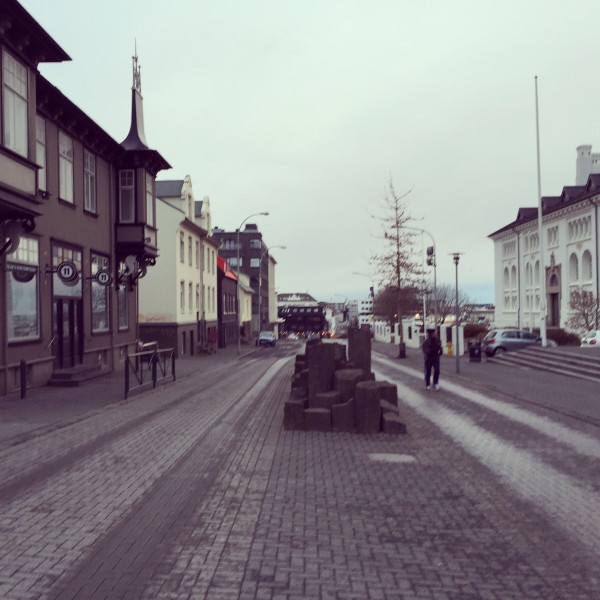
(67, 326)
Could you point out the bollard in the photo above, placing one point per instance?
(23, 373)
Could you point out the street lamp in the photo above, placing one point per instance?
(237, 248)
(431, 262)
(456, 256)
(372, 295)
(265, 253)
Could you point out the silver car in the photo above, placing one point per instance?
(498, 341)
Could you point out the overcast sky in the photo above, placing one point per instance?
(306, 108)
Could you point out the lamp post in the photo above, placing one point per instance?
(431, 262)
(265, 253)
(456, 256)
(372, 293)
(237, 269)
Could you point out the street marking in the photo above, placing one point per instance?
(570, 504)
(392, 458)
(581, 442)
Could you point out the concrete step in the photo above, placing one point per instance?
(573, 362)
(74, 376)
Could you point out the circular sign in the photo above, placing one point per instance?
(103, 277)
(67, 272)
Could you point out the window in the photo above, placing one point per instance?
(233, 262)
(197, 297)
(255, 263)
(181, 247)
(149, 200)
(190, 305)
(40, 151)
(190, 250)
(197, 253)
(126, 196)
(14, 84)
(255, 244)
(65, 167)
(89, 181)
(123, 301)
(99, 295)
(62, 253)
(22, 293)
(181, 296)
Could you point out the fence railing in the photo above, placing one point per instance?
(148, 367)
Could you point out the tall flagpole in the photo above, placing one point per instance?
(540, 228)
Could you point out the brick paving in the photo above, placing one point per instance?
(196, 491)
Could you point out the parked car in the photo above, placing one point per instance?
(498, 341)
(266, 338)
(591, 339)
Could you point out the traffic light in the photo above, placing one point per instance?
(430, 255)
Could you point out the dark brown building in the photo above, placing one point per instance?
(76, 218)
(226, 304)
(254, 262)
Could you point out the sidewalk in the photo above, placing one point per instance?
(44, 406)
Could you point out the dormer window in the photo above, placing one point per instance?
(126, 196)
(149, 200)
(14, 84)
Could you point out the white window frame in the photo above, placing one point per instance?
(65, 167)
(150, 200)
(15, 90)
(40, 152)
(127, 196)
(89, 181)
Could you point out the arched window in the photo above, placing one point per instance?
(536, 273)
(506, 278)
(586, 266)
(513, 278)
(573, 268)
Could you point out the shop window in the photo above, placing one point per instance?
(22, 291)
(99, 295)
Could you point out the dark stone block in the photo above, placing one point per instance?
(359, 348)
(345, 380)
(299, 395)
(389, 392)
(390, 423)
(342, 416)
(325, 400)
(321, 367)
(367, 412)
(293, 415)
(317, 419)
(387, 406)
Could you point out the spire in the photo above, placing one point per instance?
(136, 138)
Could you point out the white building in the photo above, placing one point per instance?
(570, 249)
(178, 298)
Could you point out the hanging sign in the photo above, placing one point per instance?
(67, 272)
(103, 277)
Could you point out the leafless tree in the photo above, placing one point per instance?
(446, 301)
(398, 265)
(386, 302)
(585, 310)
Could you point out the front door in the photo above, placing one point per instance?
(68, 332)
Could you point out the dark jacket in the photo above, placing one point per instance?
(432, 348)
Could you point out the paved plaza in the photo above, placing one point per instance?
(195, 490)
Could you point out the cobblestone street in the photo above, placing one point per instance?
(195, 490)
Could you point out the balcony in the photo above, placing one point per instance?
(138, 239)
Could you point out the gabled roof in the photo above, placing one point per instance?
(169, 188)
(224, 267)
(571, 194)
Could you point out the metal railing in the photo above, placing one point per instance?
(148, 367)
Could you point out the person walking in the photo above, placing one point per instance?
(432, 350)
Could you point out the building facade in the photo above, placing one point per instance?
(300, 313)
(563, 260)
(178, 307)
(227, 304)
(254, 262)
(76, 219)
